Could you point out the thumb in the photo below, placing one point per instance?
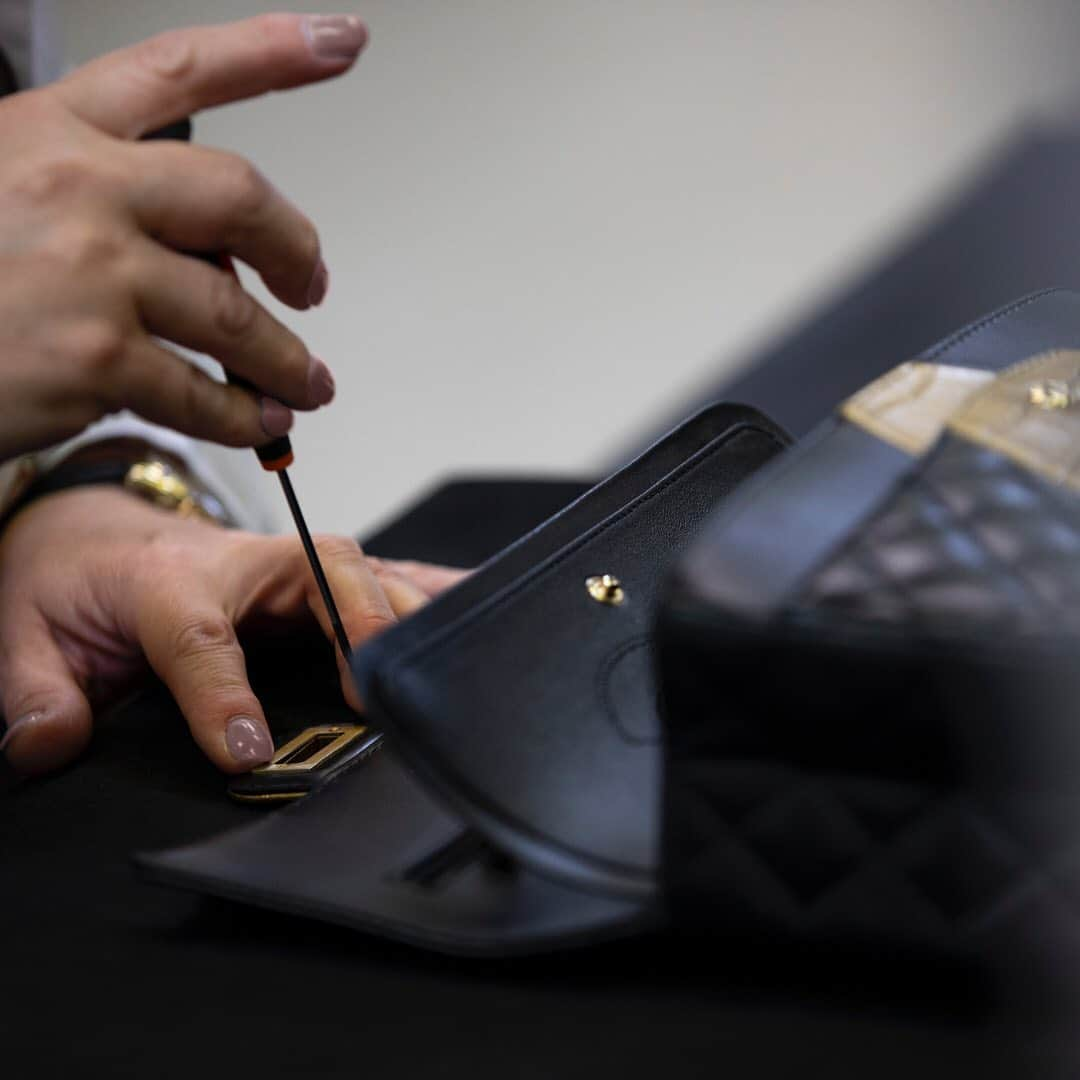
(48, 717)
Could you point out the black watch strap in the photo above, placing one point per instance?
(68, 474)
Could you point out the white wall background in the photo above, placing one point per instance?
(546, 222)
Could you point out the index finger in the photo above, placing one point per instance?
(166, 78)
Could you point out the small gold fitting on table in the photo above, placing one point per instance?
(312, 747)
(605, 589)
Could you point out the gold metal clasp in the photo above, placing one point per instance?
(1051, 394)
(312, 747)
(605, 589)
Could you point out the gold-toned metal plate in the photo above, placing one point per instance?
(267, 797)
(1031, 414)
(312, 747)
(910, 406)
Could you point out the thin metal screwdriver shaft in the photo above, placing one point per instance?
(316, 566)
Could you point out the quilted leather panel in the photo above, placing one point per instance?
(889, 757)
(845, 858)
(971, 539)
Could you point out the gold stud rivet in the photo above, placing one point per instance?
(605, 589)
(1051, 394)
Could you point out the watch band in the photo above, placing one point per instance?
(137, 467)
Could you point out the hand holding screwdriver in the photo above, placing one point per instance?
(95, 289)
(276, 454)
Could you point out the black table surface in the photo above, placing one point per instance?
(105, 974)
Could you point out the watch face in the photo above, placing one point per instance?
(164, 486)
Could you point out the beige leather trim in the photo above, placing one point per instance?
(910, 406)
(1031, 413)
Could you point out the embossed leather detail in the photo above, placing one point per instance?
(971, 539)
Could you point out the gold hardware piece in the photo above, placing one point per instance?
(605, 589)
(1050, 394)
(311, 748)
(1025, 414)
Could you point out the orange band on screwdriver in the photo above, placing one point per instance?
(278, 463)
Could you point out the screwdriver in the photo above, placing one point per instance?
(276, 455)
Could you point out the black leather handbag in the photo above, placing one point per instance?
(846, 719)
(894, 759)
(513, 805)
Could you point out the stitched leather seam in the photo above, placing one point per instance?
(439, 638)
(943, 347)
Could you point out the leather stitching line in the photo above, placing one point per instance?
(939, 350)
(488, 607)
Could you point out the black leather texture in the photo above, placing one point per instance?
(374, 851)
(517, 807)
(531, 707)
(880, 748)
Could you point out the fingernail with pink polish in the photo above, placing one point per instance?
(19, 724)
(248, 741)
(277, 419)
(320, 382)
(320, 282)
(335, 37)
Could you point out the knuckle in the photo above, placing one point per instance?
(88, 248)
(337, 549)
(249, 189)
(99, 347)
(168, 56)
(196, 635)
(233, 310)
(57, 179)
(371, 622)
(209, 410)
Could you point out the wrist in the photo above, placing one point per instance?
(135, 466)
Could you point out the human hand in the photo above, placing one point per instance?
(96, 585)
(93, 226)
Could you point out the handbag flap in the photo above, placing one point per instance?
(526, 697)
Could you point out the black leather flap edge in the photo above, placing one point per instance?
(587, 512)
(377, 665)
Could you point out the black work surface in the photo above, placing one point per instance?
(106, 975)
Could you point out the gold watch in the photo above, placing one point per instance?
(166, 486)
